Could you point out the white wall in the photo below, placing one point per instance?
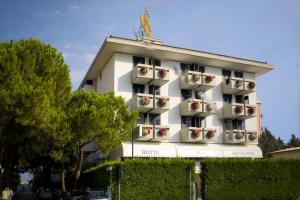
(117, 76)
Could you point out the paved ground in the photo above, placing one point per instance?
(25, 194)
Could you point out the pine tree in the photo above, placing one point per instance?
(293, 142)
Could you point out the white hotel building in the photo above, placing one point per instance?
(191, 103)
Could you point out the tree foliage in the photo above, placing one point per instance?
(293, 142)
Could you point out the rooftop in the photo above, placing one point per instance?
(286, 150)
(114, 44)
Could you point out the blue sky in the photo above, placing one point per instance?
(263, 30)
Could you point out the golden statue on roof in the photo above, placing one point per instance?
(145, 24)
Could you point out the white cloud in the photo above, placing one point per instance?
(74, 7)
(67, 46)
(58, 12)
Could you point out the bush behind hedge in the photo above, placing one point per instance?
(251, 179)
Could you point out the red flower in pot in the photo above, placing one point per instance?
(238, 109)
(251, 85)
(146, 131)
(162, 102)
(239, 135)
(210, 134)
(162, 73)
(250, 110)
(195, 133)
(196, 77)
(195, 105)
(144, 70)
(162, 132)
(209, 78)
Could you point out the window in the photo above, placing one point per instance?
(197, 122)
(199, 94)
(246, 99)
(89, 82)
(239, 74)
(238, 124)
(186, 122)
(142, 117)
(138, 60)
(154, 89)
(185, 94)
(227, 98)
(239, 99)
(184, 67)
(226, 73)
(138, 88)
(228, 124)
(197, 68)
(154, 62)
(154, 119)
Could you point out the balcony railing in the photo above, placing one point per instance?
(191, 107)
(142, 74)
(89, 87)
(233, 110)
(208, 108)
(249, 87)
(160, 104)
(143, 132)
(161, 133)
(161, 76)
(251, 137)
(191, 134)
(142, 102)
(232, 85)
(209, 135)
(190, 80)
(234, 136)
(208, 82)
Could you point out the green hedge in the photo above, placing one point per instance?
(250, 179)
(145, 179)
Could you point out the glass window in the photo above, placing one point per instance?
(185, 94)
(239, 99)
(197, 68)
(184, 67)
(154, 119)
(246, 99)
(239, 74)
(138, 88)
(199, 94)
(228, 124)
(154, 62)
(89, 82)
(227, 98)
(197, 122)
(226, 73)
(238, 124)
(186, 122)
(154, 89)
(142, 118)
(138, 60)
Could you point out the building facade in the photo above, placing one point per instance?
(190, 103)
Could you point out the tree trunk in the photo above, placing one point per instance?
(62, 177)
(79, 166)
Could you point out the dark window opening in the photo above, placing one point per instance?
(227, 98)
(238, 124)
(154, 119)
(138, 60)
(186, 122)
(89, 82)
(226, 73)
(185, 94)
(184, 67)
(154, 62)
(228, 124)
(246, 99)
(142, 118)
(197, 68)
(198, 94)
(197, 122)
(154, 90)
(239, 74)
(239, 99)
(138, 88)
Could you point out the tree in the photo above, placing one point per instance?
(100, 117)
(293, 142)
(35, 83)
(268, 142)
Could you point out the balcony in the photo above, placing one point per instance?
(209, 135)
(143, 132)
(87, 87)
(161, 133)
(234, 137)
(142, 74)
(208, 82)
(161, 76)
(161, 104)
(208, 108)
(191, 134)
(142, 102)
(191, 107)
(250, 111)
(232, 85)
(233, 110)
(190, 80)
(251, 137)
(249, 87)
